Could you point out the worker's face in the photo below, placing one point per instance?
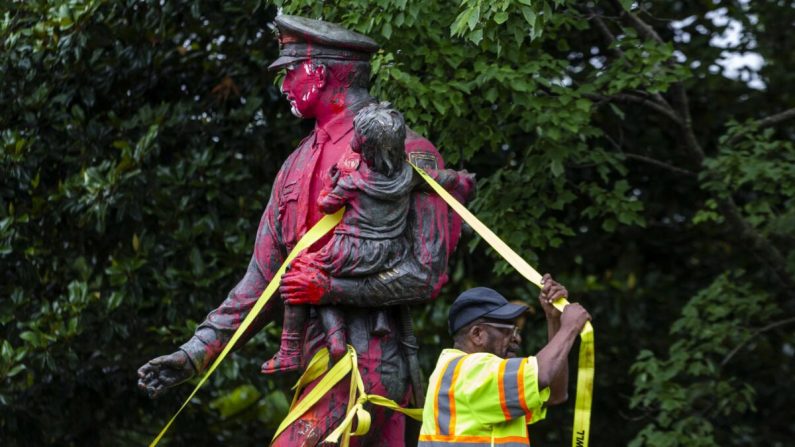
(502, 339)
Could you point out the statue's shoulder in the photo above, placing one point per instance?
(422, 152)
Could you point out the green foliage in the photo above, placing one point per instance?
(518, 98)
(138, 140)
(757, 167)
(135, 143)
(698, 383)
(524, 20)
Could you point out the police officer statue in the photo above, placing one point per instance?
(327, 78)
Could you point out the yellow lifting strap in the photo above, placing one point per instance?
(356, 399)
(313, 235)
(585, 371)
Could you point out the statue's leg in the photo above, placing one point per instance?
(319, 421)
(387, 428)
(289, 356)
(382, 369)
(384, 372)
(334, 324)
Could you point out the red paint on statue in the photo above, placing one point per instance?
(320, 90)
(342, 73)
(329, 412)
(315, 280)
(300, 86)
(314, 92)
(338, 102)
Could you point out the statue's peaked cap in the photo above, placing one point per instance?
(326, 33)
(301, 38)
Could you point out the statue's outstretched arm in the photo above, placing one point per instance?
(215, 331)
(161, 373)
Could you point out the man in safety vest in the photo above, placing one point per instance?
(481, 393)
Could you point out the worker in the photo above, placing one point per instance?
(481, 393)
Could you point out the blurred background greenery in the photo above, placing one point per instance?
(642, 152)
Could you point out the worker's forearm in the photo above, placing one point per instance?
(553, 358)
(559, 385)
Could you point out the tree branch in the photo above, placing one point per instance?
(755, 334)
(661, 164)
(642, 27)
(649, 160)
(746, 233)
(611, 39)
(602, 26)
(771, 120)
(757, 243)
(664, 110)
(777, 118)
(647, 31)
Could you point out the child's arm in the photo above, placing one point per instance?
(332, 200)
(460, 184)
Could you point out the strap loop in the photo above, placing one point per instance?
(356, 400)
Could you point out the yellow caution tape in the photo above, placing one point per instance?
(585, 371)
(313, 235)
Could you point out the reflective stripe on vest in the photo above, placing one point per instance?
(481, 399)
(444, 408)
(469, 441)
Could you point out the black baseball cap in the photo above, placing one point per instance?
(481, 302)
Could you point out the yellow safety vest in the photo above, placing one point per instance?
(481, 400)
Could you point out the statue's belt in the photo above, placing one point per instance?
(318, 366)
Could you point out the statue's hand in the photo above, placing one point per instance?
(164, 372)
(304, 283)
(467, 184)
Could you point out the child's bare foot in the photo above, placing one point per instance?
(289, 356)
(281, 363)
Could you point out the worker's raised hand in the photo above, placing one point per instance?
(551, 290)
(164, 372)
(574, 316)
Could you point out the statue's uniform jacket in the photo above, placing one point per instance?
(291, 211)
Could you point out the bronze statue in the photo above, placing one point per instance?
(356, 289)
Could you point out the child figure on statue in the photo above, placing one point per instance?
(374, 183)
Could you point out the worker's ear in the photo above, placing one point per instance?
(478, 336)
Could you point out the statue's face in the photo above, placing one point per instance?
(302, 86)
